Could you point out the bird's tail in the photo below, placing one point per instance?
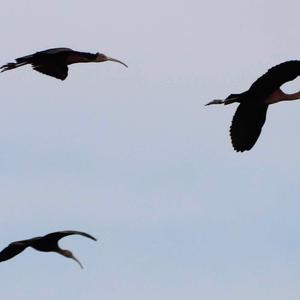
(21, 61)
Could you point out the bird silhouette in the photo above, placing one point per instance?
(250, 115)
(47, 243)
(54, 62)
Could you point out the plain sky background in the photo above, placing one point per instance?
(134, 158)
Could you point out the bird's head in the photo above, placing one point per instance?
(100, 57)
(69, 254)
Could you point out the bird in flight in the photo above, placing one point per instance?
(54, 62)
(47, 243)
(250, 115)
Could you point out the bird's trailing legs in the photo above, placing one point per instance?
(225, 102)
(12, 65)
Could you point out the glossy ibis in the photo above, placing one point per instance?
(47, 243)
(54, 62)
(250, 115)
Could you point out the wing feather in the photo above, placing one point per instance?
(275, 77)
(58, 71)
(246, 125)
(12, 250)
(60, 234)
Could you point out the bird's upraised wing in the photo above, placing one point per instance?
(246, 125)
(275, 77)
(12, 250)
(60, 234)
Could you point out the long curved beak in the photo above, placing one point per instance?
(73, 257)
(116, 60)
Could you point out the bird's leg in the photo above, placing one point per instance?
(11, 66)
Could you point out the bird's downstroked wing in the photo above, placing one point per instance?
(52, 69)
(12, 250)
(246, 125)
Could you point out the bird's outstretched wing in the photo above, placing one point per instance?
(12, 250)
(275, 77)
(58, 71)
(246, 125)
(60, 234)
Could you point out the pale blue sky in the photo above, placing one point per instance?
(134, 158)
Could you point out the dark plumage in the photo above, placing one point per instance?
(54, 62)
(47, 243)
(250, 115)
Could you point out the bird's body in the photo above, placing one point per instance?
(54, 62)
(250, 115)
(47, 243)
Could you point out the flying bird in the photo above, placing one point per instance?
(54, 62)
(250, 115)
(47, 243)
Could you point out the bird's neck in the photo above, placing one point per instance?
(61, 251)
(279, 96)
